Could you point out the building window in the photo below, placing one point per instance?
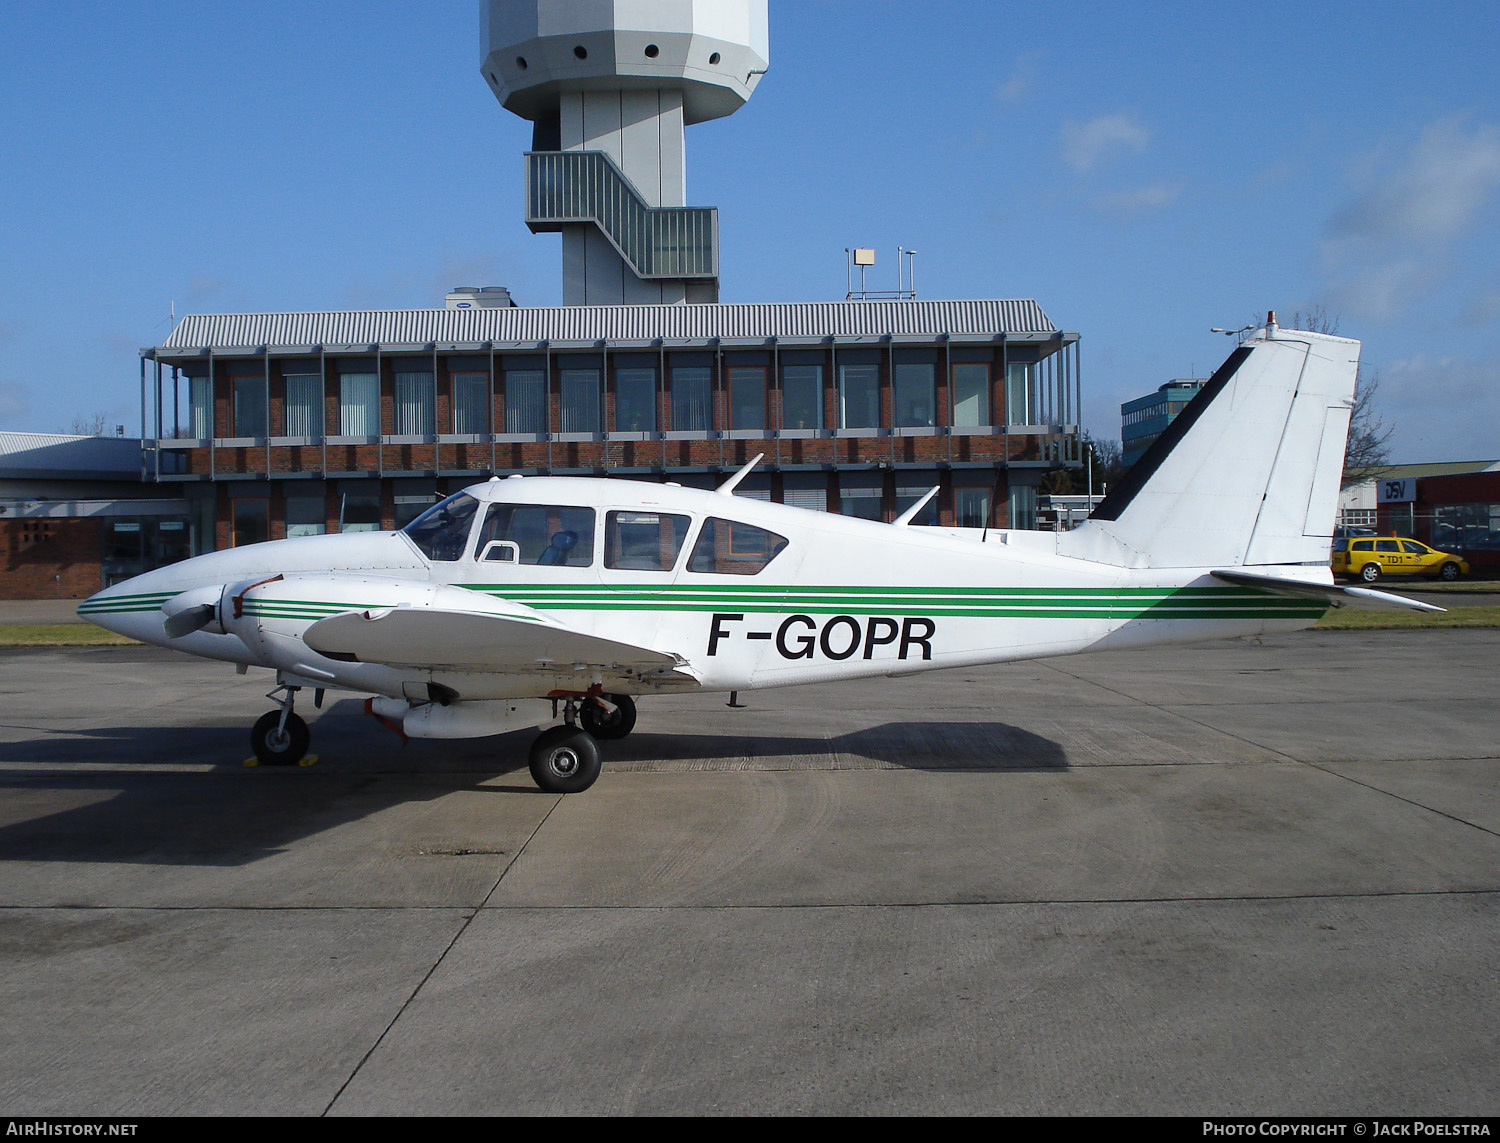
(359, 404)
(249, 406)
(747, 397)
(526, 401)
(971, 394)
(860, 494)
(859, 395)
(471, 403)
(416, 411)
(1020, 394)
(692, 398)
(359, 509)
(1023, 507)
(305, 513)
(971, 507)
(304, 405)
(200, 407)
(249, 521)
(635, 399)
(802, 397)
(914, 385)
(412, 498)
(909, 494)
(578, 394)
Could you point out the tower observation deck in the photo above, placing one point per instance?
(609, 86)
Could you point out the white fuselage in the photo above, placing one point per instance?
(824, 597)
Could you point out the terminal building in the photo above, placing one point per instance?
(286, 424)
(1146, 418)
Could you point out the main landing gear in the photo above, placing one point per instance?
(565, 759)
(280, 737)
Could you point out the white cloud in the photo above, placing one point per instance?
(1022, 77)
(1434, 193)
(1086, 145)
(1442, 408)
(1390, 242)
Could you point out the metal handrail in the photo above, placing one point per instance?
(587, 186)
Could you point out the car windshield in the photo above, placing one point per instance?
(440, 531)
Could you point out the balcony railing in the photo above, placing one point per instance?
(586, 186)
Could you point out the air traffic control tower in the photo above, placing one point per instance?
(609, 86)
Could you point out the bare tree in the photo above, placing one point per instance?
(93, 426)
(1368, 449)
(1369, 436)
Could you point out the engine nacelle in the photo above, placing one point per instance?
(464, 719)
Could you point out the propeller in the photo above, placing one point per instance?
(193, 611)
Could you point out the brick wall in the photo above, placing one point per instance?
(51, 559)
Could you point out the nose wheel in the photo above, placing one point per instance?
(280, 737)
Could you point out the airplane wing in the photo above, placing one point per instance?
(440, 639)
(1330, 593)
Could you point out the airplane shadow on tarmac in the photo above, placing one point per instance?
(183, 795)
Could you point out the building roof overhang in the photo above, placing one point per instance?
(572, 327)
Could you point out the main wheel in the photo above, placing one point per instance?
(275, 746)
(564, 760)
(1450, 572)
(1370, 573)
(606, 724)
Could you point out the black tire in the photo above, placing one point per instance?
(1370, 573)
(274, 747)
(564, 760)
(609, 725)
(1450, 572)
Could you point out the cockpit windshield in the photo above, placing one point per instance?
(442, 530)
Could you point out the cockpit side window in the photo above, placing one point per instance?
(729, 547)
(549, 535)
(643, 541)
(440, 532)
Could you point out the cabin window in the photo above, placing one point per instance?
(546, 535)
(440, 532)
(643, 541)
(728, 547)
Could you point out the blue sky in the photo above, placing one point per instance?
(1145, 171)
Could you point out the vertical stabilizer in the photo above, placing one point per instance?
(1247, 475)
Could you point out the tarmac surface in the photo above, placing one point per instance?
(1236, 878)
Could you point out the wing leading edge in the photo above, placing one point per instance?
(441, 639)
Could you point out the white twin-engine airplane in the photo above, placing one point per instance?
(520, 596)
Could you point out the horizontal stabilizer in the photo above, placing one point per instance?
(465, 640)
(1331, 593)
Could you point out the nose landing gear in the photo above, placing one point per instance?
(280, 737)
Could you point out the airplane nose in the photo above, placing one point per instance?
(127, 609)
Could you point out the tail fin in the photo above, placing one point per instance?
(1248, 473)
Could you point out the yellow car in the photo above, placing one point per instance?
(1370, 557)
